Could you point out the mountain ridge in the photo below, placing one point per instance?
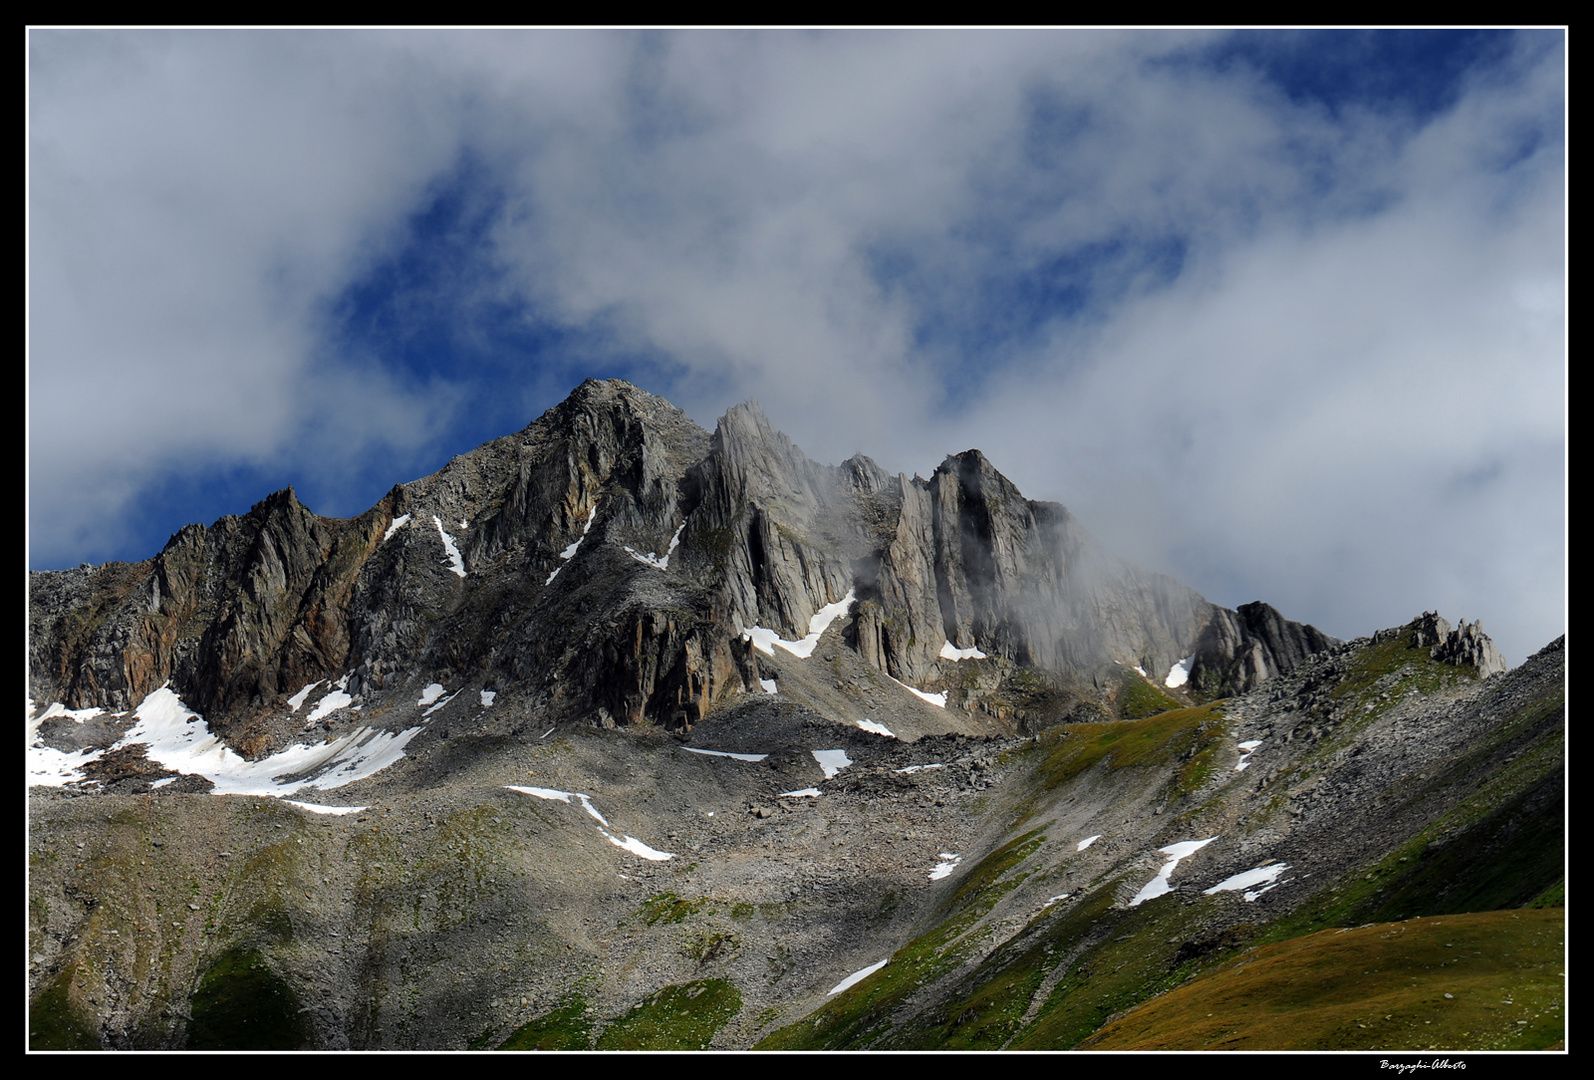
(245, 611)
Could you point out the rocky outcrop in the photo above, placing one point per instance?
(1239, 650)
(1466, 645)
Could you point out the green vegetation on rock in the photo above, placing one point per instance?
(54, 1023)
(242, 1004)
(1487, 981)
(685, 1016)
(567, 1027)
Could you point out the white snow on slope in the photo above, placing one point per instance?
(629, 843)
(1052, 900)
(298, 699)
(658, 562)
(57, 709)
(487, 697)
(570, 552)
(432, 692)
(322, 808)
(1142, 672)
(857, 977)
(1249, 746)
(832, 761)
(938, 700)
(766, 639)
(768, 685)
(328, 705)
(878, 729)
(586, 804)
(951, 652)
(398, 523)
(1159, 884)
(1179, 674)
(542, 793)
(455, 562)
(801, 793)
(1086, 842)
(947, 864)
(440, 704)
(725, 753)
(1258, 876)
(179, 739)
(637, 847)
(47, 766)
(916, 768)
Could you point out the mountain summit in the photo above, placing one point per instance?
(618, 733)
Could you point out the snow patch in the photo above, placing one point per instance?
(768, 685)
(857, 977)
(832, 761)
(586, 804)
(947, 864)
(658, 562)
(1054, 899)
(878, 729)
(951, 652)
(1249, 746)
(455, 562)
(638, 848)
(725, 753)
(398, 523)
(765, 639)
(298, 699)
(439, 705)
(801, 793)
(46, 765)
(1261, 875)
(938, 700)
(328, 705)
(178, 738)
(1142, 672)
(1179, 674)
(1086, 842)
(487, 697)
(322, 808)
(430, 694)
(542, 793)
(915, 768)
(629, 843)
(570, 552)
(1159, 884)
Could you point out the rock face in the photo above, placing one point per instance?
(1466, 645)
(608, 562)
(1240, 650)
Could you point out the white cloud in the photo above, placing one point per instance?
(1304, 346)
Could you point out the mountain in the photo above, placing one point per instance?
(618, 733)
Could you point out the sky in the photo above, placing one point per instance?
(1280, 313)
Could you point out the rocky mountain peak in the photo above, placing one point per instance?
(613, 560)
